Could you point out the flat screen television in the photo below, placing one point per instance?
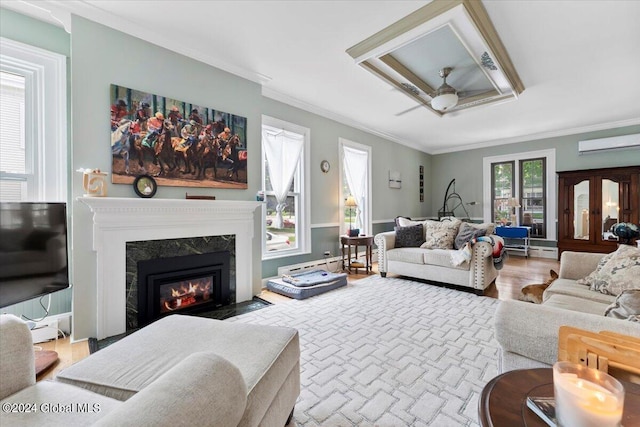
(33, 250)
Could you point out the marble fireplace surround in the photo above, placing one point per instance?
(117, 221)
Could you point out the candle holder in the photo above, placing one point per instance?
(586, 397)
(93, 182)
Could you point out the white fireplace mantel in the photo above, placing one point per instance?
(118, 220)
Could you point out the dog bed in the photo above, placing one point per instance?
(307, 284)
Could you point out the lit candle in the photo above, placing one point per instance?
(587, 399)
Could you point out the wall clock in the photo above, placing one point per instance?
(325, 166)
(145, 186)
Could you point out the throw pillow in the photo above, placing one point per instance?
(488, 227)
(440, 235)
(626, 306)
(404, 218)
(619, 273)
(587, 281)
(409, 237)
(404, 222)
(466, 233)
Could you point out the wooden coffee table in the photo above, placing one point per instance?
(503, 401)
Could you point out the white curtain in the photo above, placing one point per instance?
(282, 150)
(355, 170)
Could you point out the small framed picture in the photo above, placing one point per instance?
(145, 186)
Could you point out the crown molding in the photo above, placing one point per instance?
(46, 11)
(311, 108)
(64, 9)
(541, 135)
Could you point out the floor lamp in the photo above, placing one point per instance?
(351, 203)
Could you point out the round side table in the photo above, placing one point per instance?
(503, 401)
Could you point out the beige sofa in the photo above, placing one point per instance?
(435, 265)
(528, 333)
(180, 370)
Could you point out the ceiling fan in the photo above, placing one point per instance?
(445, 98)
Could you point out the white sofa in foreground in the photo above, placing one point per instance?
(180, 370)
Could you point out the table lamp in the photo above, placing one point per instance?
(351, 203)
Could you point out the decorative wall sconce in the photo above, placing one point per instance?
(93, 182)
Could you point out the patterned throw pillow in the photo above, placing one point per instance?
(488, 227)
(409, 237)
(626, 306)
(619, 273)
(466, 233)
(440, 235)
(590, 278)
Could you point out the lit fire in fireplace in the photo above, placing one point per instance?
(185, 294)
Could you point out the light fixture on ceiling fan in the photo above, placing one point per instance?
(446, 97)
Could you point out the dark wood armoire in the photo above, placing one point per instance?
(590, 202)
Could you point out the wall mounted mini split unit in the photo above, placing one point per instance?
(608, 144)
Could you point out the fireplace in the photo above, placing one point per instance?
(182, 284)
(119, 222)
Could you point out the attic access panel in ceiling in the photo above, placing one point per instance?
(410, 53)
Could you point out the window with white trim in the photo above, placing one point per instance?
(33, 123)
(355, 180)
(285, 184)
(522, 186)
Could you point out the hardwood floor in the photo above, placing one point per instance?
(68, 354)
(517, 272)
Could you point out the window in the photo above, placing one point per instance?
(34, 110)
(285, 183)
(502, 191)
(355, 177)
(532, 196)
(517, 186)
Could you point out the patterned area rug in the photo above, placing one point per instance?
(389, 352)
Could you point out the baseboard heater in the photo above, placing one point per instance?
(543, 252)
(608, 144)
(330, 264)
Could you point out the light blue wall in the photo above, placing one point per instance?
(27, 30)
(30, 31)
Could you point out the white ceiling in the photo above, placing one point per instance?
(579, 61)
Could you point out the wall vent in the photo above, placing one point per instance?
(608, 144)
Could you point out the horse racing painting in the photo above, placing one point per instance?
(180, 144)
